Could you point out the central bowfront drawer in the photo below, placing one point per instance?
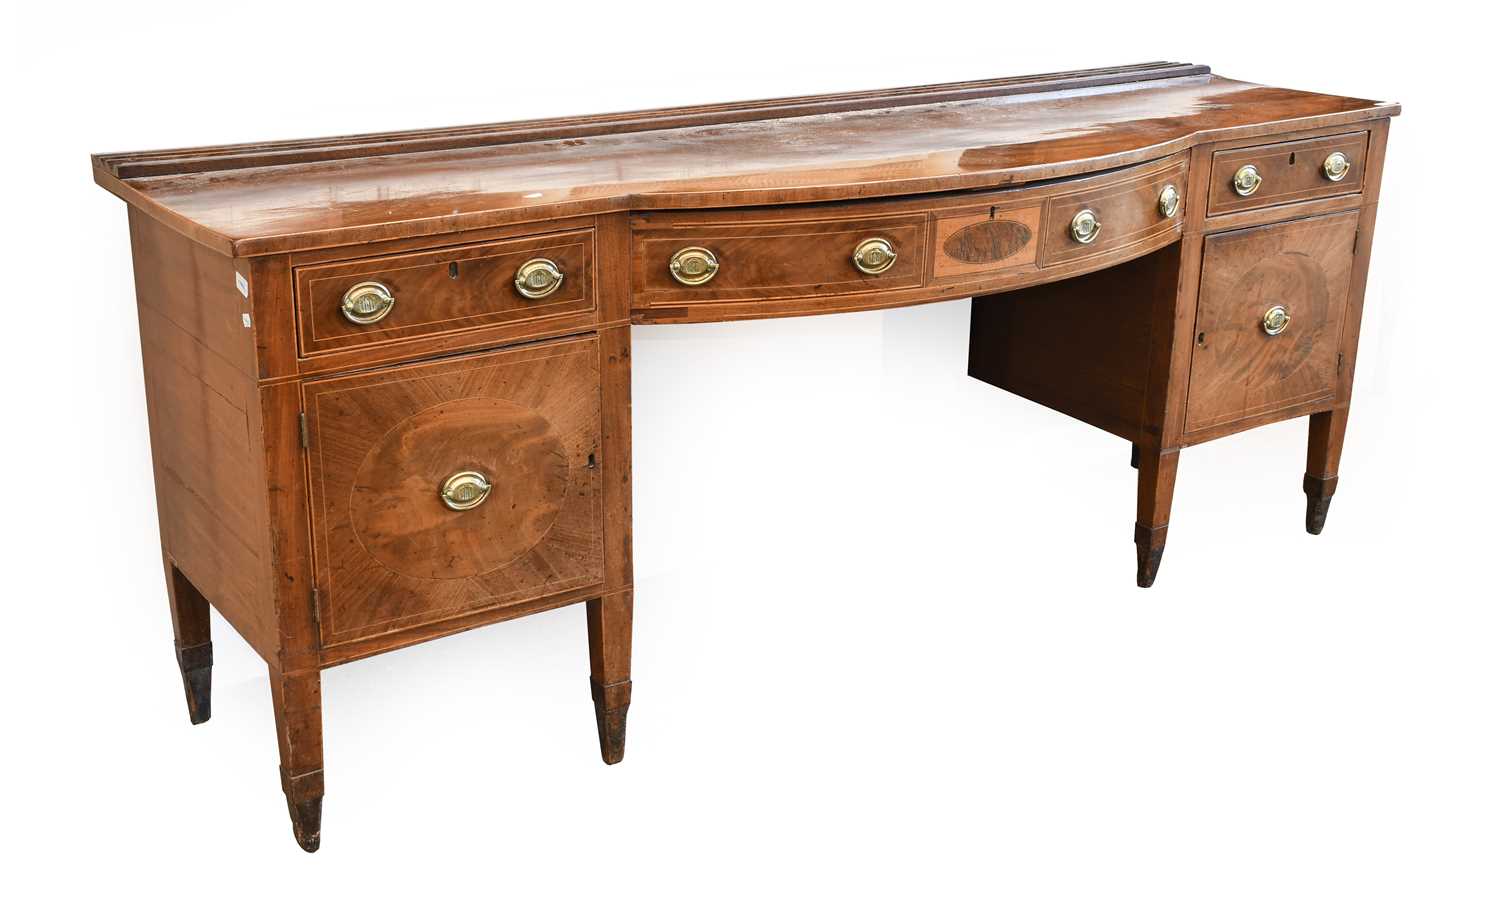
(779, 260)
(379, 300)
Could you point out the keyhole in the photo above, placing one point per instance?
(1292, 160)
(1201, 339)
(453, 270)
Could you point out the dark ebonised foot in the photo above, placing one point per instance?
(1149, 546)
(1135, 456)
(611, 703)
(304, 803)
(1319, 495)
(197, 665)
(307, 823)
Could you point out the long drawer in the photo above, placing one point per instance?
(770, 261)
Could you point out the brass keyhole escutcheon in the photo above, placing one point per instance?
(1169, 201)
(1276, 320)
(873, 256)
(693, 265)
(1336, 167)
(538, 278)
(1247, 181)
(1085, 226)
(367, 303)
(464, 490)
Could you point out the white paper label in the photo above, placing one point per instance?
(245, 318)
(244, 286)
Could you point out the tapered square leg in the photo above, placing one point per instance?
(298, 702)
(1325, 445)
(609, 670)
(1154, 484)
(195, 653)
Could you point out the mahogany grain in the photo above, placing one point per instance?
(298, 456)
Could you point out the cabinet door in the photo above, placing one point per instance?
(1241, 371)
(392, 552)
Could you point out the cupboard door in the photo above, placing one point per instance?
(445, 488)
(1248, 363)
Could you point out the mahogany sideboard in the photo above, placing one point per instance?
(388, 375)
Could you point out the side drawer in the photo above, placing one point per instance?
(1287, 172)
(1134, 209)
(445, 290)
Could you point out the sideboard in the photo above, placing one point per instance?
(388, 375)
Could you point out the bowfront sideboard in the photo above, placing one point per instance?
(388, 376)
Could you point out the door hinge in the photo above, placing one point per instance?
(317, 614)
(302, 429)
(1339, 367)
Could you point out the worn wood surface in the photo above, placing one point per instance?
(270, 200)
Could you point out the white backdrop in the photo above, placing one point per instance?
(887, 635)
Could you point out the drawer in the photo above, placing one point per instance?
(1240, 370)
(1136, 208)
(391, 551)
(1287, 172)
(445, 290)
(776, 258)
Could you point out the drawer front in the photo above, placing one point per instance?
(444, 290)
(770, 260)
(1128, 211)
(1287, 172)
(1242, 371)
(391, 551)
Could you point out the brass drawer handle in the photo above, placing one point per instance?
(464, 490)
(1247, 181)
(1276, 320)
(694, 265)
(1168, 201)
(367, 303)
(1086, 226)
(1336, 167)
(538, 278)
(873, 256)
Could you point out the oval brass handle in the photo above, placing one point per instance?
(1336, 166)
(873, 256)
(367, 302)
(1168, 201)
(1085, 226)
(538, 278)
(1276, 320)
(694, 265)
(1246, 181)
(464, 490)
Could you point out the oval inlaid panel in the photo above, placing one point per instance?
(399, 518)
(988, 242)
(1295, 281)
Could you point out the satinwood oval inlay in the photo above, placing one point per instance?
(988, 242)
(402, 522)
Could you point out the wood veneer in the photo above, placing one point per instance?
(297, 456)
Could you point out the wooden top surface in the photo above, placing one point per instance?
(255, 199)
